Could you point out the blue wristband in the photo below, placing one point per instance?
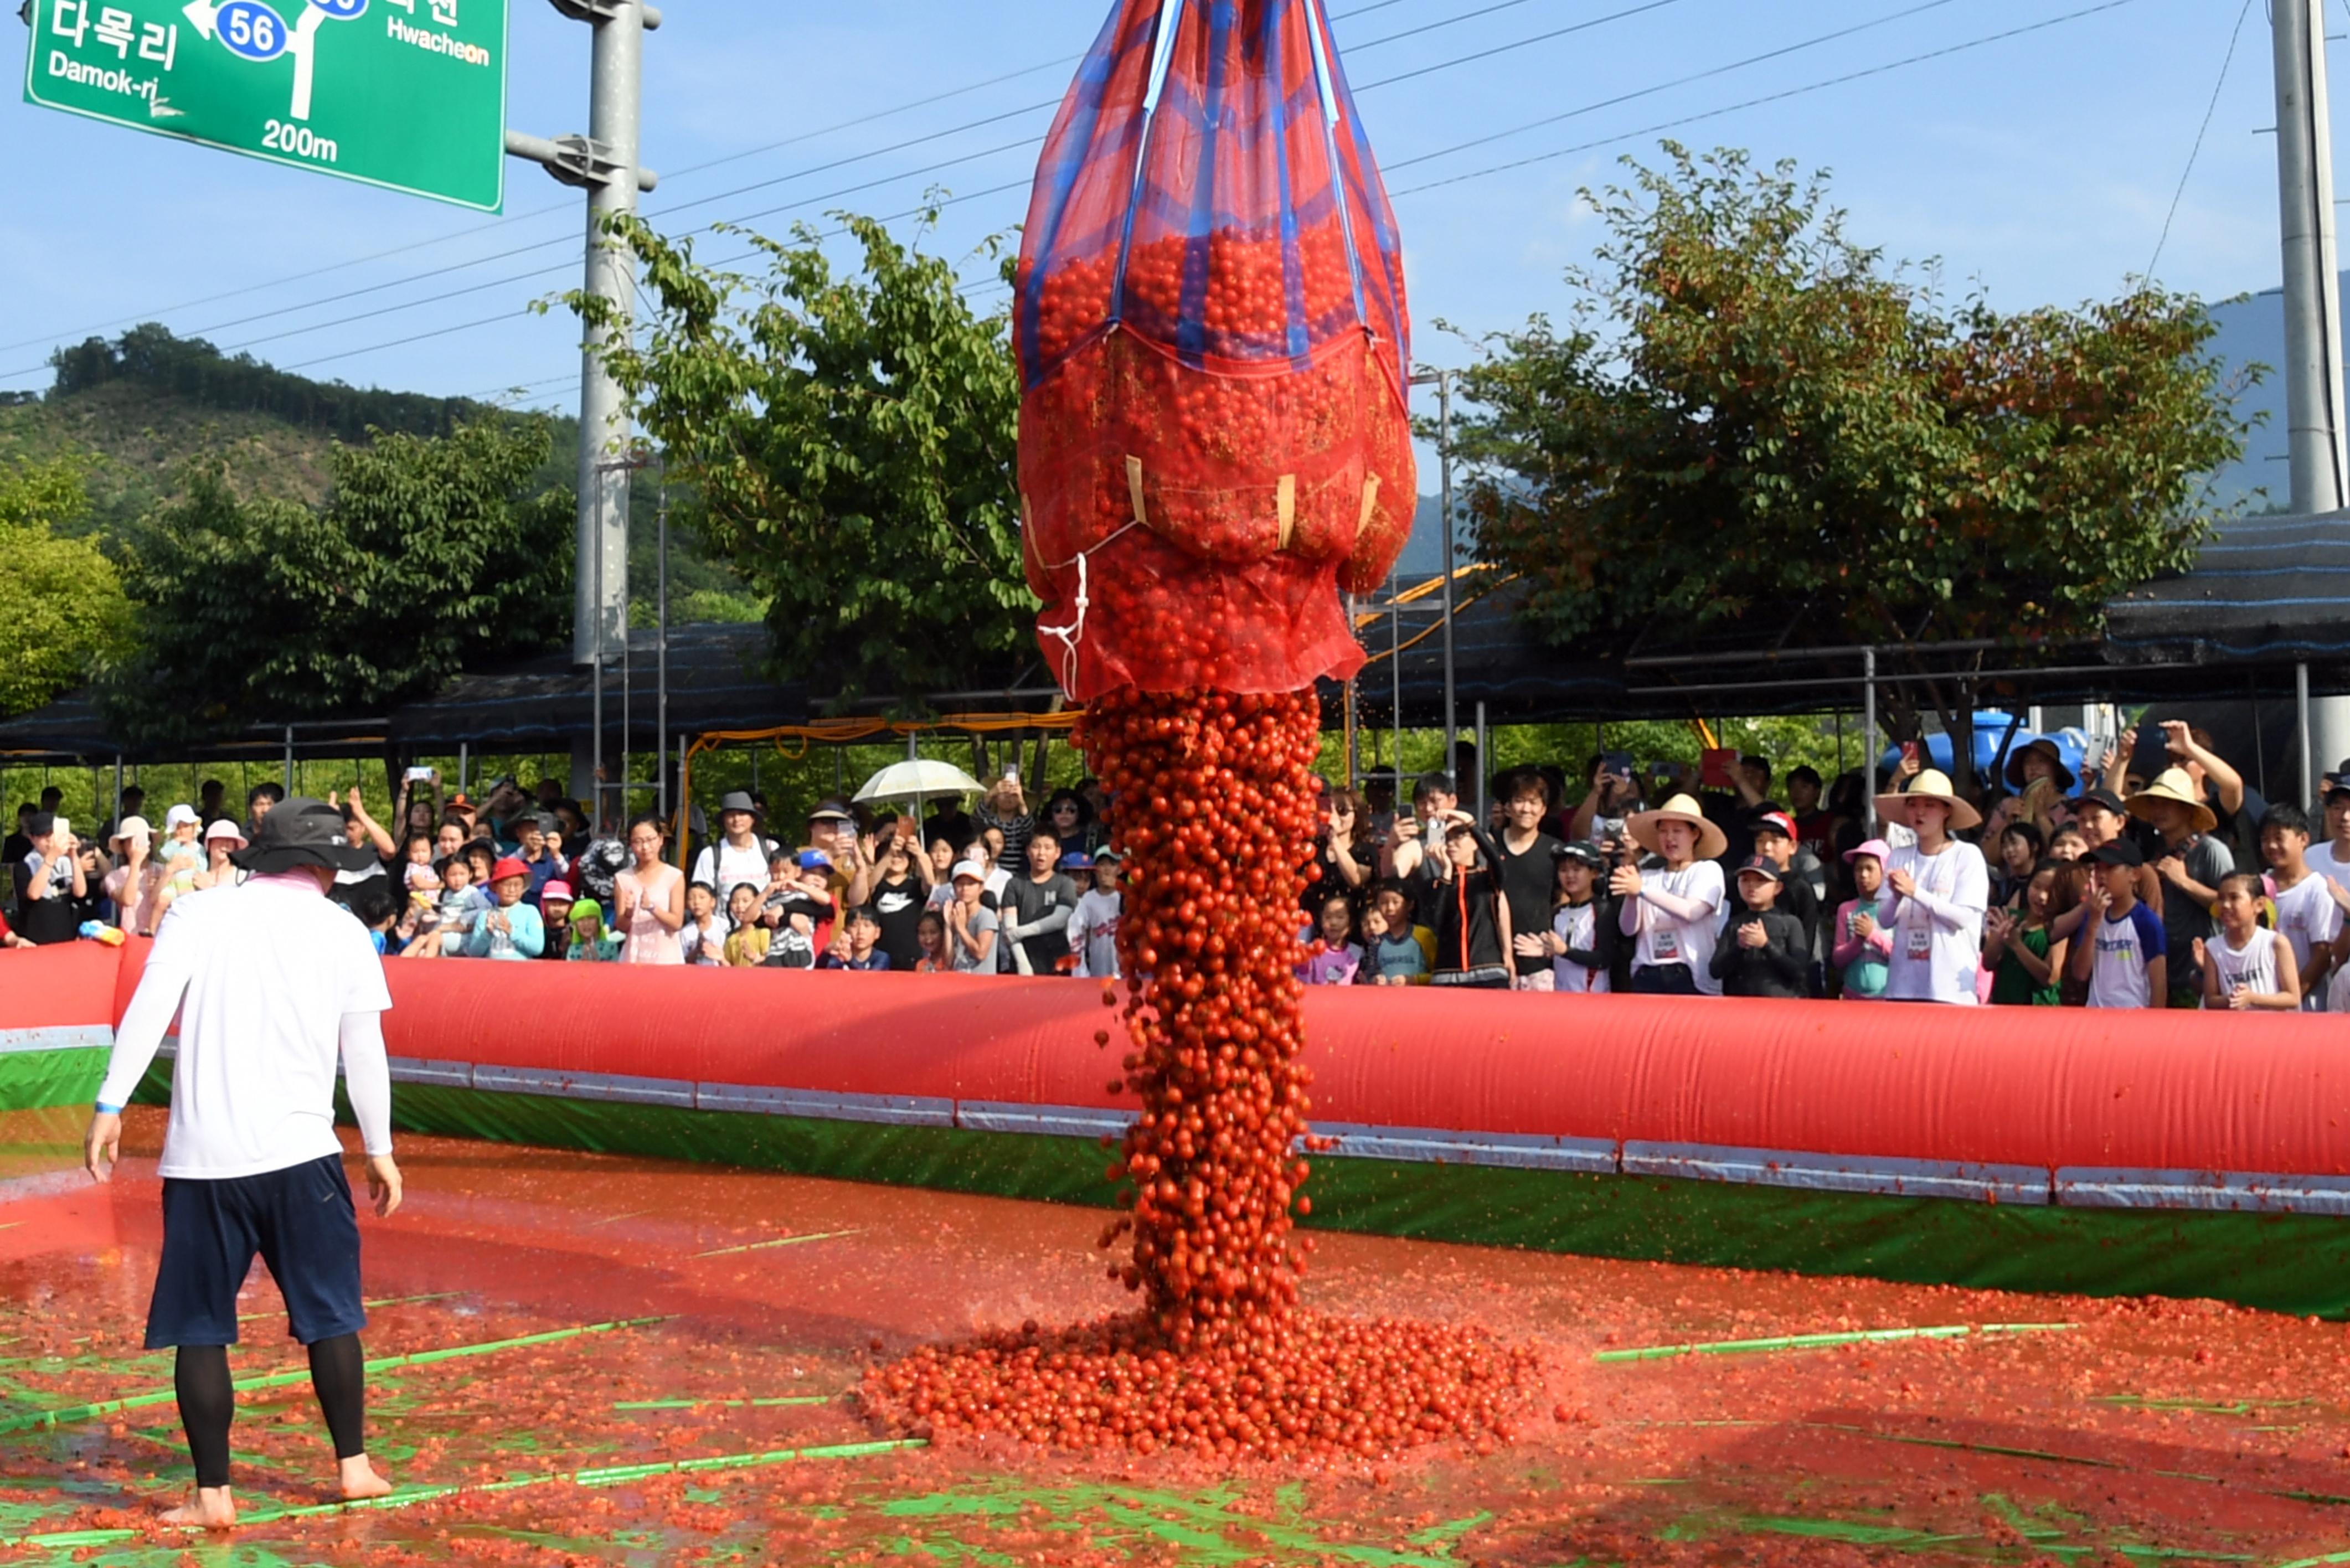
(106, 1110)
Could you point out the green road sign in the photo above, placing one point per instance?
(406, 94)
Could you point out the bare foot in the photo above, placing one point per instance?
(211, 1510)
(360, 1479)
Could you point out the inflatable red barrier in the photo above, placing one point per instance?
(2114, 1153)
(2151, 1091)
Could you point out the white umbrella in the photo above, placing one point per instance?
(915, 779)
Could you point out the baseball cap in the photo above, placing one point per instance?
(2103, 797)
(182, 815)
(556, 891)
(1875, 847)
(1077, 860)
(1109, 854)
(815, 859)
(970, 869)
(1760, 866)
(1776, 822)
(2120, 852)
(1581, 854)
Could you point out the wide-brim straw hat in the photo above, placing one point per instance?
(1931, 785)
(2173, 784)
(2046, 748)
(1712, 842)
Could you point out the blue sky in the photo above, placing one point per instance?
(2040, 166)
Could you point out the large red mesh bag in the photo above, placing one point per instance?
(1209, 320)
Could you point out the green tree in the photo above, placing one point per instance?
(1750, 414)
(849, 443)
(429, 555)
(62, 610)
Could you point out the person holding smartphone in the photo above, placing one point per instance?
(50, 882)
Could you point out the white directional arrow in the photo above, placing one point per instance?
(160, 107)
(203, 14)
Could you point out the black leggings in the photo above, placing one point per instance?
(208, 1400)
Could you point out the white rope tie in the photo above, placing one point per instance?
(1069, 636)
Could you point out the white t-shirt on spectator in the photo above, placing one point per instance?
(2125, 945)
(1093, 934)
(1937, 932)
(1577, 926)
(2321, 859)
(1666, 940)
(724, 867)
(2307, 915)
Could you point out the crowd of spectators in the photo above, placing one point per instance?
(2109, 890)
(2183, 889)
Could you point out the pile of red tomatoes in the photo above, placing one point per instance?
(1225, 485)
(1215, 813)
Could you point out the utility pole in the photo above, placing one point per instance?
(1443, 382)
(604, 163)
(2314, 415)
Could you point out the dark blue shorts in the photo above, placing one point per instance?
(302, 1222)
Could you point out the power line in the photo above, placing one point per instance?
(1520, 43)
(508, 315)
(1767, 97)
(2193, 153)
(561, 207)
(1666, 87)
(933, 166)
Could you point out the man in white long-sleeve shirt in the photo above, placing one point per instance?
(272, 981)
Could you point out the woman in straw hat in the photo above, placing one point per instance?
(1672, 914)
(1940, 888)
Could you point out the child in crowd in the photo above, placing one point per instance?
(930, 933)
(1581, 942)
(1394, 950)
(2121, 947)
(746, 944)
(2021, 849)
(453, 909)
(1671, 914)
(801, 921)
(511, 929)
(1473, 920)
(590, 943)
(1863, 947)
(2067, 844)
(971, 925)
(858, 945)
(417, 874)
(1334, 957)
(1763, 950)
(181, 856)
(702, 937)
(2243, 966)
(2025, 958)
(1093, 929)
(2307, 916)
(554, 917)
